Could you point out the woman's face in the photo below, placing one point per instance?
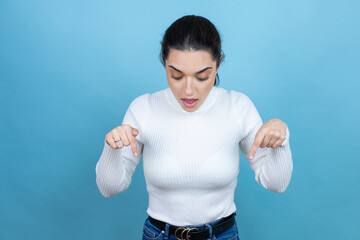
(191, 76)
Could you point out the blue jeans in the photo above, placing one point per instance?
(150, 232)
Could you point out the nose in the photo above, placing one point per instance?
(189, 88)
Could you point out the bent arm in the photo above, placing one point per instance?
(116, 166)
(115, 169)
(272, 166)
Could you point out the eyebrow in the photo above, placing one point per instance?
(195, 73)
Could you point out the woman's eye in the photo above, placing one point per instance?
(203, 79)
(176, 78)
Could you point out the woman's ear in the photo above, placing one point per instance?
(221, 57)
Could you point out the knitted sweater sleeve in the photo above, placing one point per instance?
(272, 166)
(115, 167)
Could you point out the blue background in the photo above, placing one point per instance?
(69, 70)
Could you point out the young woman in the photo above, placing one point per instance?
(190, 136)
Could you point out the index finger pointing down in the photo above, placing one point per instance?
(132, 141)
(258, 139)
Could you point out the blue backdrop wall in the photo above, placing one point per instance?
(69, 70)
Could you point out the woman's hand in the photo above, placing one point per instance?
(126, 134)
(271, 134)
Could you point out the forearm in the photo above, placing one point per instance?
(272, 166)
(276, 169)
(111, 175)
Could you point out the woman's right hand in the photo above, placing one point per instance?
(126, 134)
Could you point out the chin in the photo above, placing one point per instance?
(190, 109)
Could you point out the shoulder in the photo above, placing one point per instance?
(147, 98)
(140, 100)
(137, 109)
(243, 107)
(143, 103)
(238, 99)
(137, 112)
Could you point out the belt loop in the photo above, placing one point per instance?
(210, 229)
(166, 231)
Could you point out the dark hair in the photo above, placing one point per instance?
(192, 33)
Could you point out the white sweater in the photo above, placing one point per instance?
(191, 159)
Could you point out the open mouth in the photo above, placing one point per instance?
(190, 102)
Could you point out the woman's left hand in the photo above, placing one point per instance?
(271, 134)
